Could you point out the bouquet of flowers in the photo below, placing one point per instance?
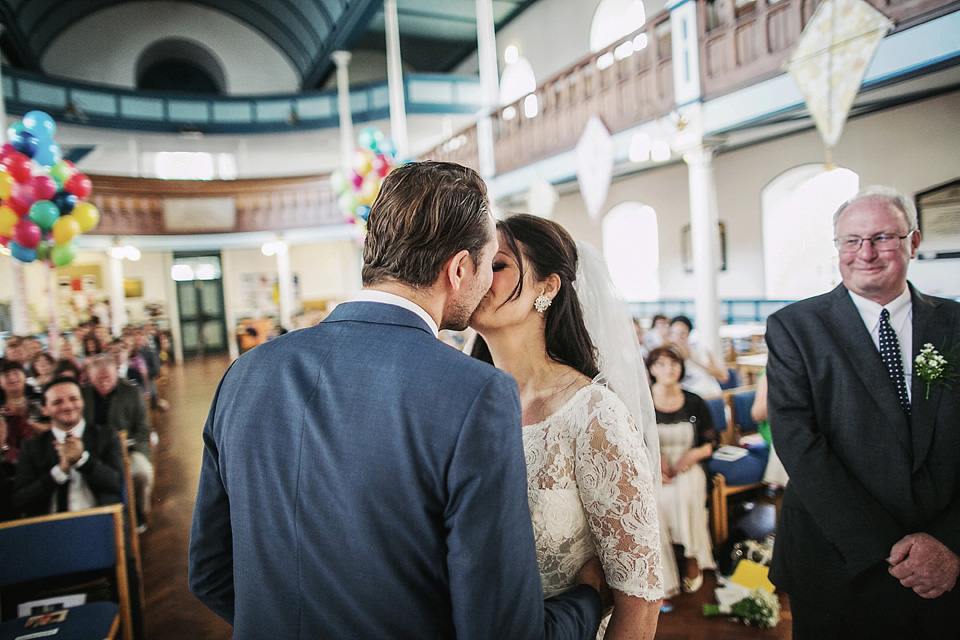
(757, 607)
(934, 367)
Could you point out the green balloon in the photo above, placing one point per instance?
(63, 254)
(61, 173)
(43, 250)
(44, 213)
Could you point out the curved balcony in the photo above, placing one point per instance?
(116, 108)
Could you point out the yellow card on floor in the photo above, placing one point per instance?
(751, 575)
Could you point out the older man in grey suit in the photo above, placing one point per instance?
(869, 533)
(362, 479)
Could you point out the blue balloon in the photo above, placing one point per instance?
(40, 124)
(48, 154)
(65, 201)
(387, 147)
(22, 253)
(24, 142)
(363, 212)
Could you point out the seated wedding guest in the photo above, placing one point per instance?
(91, 345)
(118, 404)
(144, 348)
(15, 405)
(686, 439)
(120, 352)
(774, 475)
(43, 365)
(32, 347)
(73, 465)
(657, 334)
(13, 350)
(703, 372)
(68, 368)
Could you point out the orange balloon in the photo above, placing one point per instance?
(7, 219)
(86, 216)
(65, 228)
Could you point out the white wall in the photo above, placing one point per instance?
(105, 46)
(911, 148)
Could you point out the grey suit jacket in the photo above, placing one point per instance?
(361, 479)
(127, 412)
(861, 475)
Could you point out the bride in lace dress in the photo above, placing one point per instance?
(590, 486)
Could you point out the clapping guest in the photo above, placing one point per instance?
(703, 372)
(687, 438)
(43, 366)
(15, 409)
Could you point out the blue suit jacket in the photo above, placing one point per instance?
(361, 479)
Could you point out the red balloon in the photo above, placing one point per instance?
(381, 165)
(79, 185)
(4, 241)
(24, 192)
(19, 208)
(44, 187)
(18, 166)
(6, 149)
(27, 234)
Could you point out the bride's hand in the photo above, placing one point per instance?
(592, 574)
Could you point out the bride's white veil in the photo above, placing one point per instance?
(608, 321)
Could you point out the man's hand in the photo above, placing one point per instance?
(592, 574)
(923, 563)
(70, 451)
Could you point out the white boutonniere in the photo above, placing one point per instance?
(936, 368)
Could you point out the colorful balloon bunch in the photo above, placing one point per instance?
(43, 196)
(358, 187)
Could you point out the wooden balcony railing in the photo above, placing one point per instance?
(135, 206)
(626, 83)
(741, 42)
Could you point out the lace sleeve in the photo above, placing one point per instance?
(616, 488)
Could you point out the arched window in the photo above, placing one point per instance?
(615, 19)
(516, 81)
(175, 64)
(797, 208)
(631, 246)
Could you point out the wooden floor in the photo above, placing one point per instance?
(172, 613)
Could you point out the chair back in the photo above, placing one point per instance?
(717, 408)
(130, 506)
(742, 403)
(733, 379)
(65, 543)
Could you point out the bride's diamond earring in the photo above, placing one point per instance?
(542, 303)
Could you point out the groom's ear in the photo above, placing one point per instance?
(458, 267)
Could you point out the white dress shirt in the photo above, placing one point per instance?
(80, 495)
(369, 295)
(901, 319)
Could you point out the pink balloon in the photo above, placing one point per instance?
(44, 187)
(24, 192)
(27, 234)
(381, 164)
(357, 180)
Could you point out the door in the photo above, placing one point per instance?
(203, 325)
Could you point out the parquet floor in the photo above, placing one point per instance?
(174, 614)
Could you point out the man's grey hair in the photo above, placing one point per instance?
(891, 196)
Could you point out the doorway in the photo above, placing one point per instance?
(203, 323)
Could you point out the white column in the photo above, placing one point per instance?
(705, 245)
(285, 288)
(398, 109)
(20, 317)
(173, 307)
(489, 86)
(117, 299)
(342, 59)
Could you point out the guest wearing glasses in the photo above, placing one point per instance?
(869, 532)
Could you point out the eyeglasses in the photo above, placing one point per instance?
(880, 242)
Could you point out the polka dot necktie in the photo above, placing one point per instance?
(890, 354)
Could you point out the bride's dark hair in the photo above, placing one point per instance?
(547, 248)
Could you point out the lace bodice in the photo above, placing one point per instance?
(590, 490)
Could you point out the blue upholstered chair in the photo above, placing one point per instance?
(69, 543)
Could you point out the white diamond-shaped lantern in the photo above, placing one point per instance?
(542, 198)
(831, 59)
(594, 156)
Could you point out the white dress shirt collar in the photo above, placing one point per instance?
(60, 435)
(899, 308)
(370, 295)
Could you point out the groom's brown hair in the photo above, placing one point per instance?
(425, 213)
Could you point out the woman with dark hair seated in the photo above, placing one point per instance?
(686, 439)
(590, 485)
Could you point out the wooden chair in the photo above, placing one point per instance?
(130, 506)
(61, 544)
(737, 403)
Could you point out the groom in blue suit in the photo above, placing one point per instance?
(362, 479)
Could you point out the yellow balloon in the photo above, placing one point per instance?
(7, 219)
(368, 191)
(6, 182)
(86, 216)
(362, 161)
(65, 228)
